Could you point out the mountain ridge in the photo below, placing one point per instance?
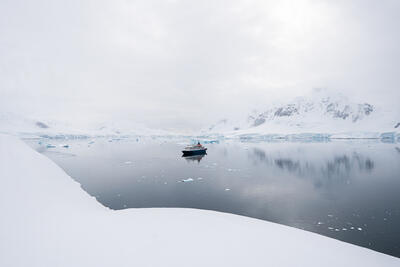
(319, 112)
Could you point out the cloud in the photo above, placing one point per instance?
(184, 64)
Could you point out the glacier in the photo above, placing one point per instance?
(318, 116)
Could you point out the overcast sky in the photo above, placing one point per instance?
(181, 64)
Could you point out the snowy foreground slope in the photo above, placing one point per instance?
(48, 220)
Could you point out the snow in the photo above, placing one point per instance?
(322, 114)
(30, 126)
(48, 220)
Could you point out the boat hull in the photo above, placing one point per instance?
(194, 152)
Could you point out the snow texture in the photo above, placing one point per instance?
(321, 112)
(48, 220)
(23, 126)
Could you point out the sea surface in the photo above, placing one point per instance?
(348, 189)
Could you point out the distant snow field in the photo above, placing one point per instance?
(320, 114)
(48, 220)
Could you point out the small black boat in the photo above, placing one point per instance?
(194, 150)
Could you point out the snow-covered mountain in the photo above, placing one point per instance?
(30, 126)
(319, 112)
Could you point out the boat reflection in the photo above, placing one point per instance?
(194, 158)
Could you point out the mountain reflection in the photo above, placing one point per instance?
(303, 165)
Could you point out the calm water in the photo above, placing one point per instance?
(346, 190)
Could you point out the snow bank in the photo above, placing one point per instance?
(48, 220)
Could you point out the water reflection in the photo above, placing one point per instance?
(320, 187)
(194, 158)
(300, 165)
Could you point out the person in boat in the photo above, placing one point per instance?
(198, 144)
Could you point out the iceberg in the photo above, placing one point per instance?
(388, 137)
(187, 180)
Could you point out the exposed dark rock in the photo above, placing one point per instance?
(368, 108)
(355, 118)
(289, 110)
(295, 113)
(259, 121)
(41, 125)
(338, 113)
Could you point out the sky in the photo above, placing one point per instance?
(186, 64)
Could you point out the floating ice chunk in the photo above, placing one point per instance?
(50, 146)
(388, 137)
(211, 141)
(319, 223)
(337, 230)
(187, 180)
(330, 215)
(330, 228)
(200, 178)
(344, 229)
(227, 189)
(359, 229)
(352, 228)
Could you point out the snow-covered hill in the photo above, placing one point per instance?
(320, 112)
(26, 126)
